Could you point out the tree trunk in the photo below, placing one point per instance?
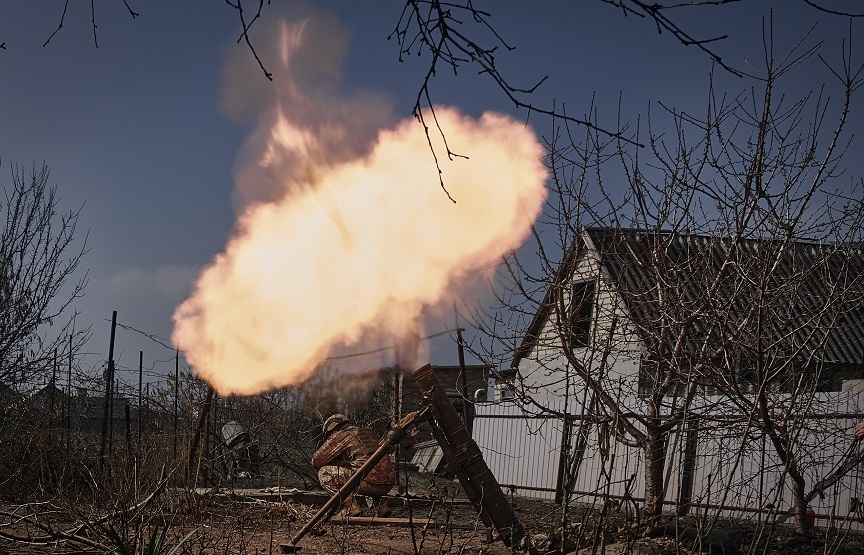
(799, 496)
(787, 458)
(655, 460)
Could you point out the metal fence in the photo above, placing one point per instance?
(732, 468)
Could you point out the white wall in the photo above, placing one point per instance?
(523, 449)
(543, 373)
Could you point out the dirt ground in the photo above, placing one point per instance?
(258, 522)
(448, 526)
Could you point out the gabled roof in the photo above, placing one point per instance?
(641, 264)
(562, 276)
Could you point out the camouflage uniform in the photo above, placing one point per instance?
(346, 450)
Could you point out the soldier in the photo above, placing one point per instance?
(346, 448)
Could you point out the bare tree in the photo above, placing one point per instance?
(456, 36)
(460, 34)
(39, 258)
(794, 289)
(690, 267)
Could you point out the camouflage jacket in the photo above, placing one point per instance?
(351, 447)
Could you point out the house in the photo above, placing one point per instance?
(646, 315)
(630, 306)
(46, 401)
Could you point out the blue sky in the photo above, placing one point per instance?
(133, 129)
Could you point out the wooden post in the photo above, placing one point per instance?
(688, 468)
(140, 383)
(109, 382)
(176, 395)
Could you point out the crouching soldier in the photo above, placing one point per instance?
(346, 448)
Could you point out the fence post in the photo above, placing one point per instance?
(688, 468)
(563, 457)
(69, 396)
(109, 389)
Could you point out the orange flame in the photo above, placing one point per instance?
(361, 250)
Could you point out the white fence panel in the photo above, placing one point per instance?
(520, 449)
(735, 468)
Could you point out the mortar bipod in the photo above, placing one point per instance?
(394, 437)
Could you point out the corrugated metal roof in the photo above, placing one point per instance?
(812, 293)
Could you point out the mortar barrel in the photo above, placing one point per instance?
(466, 460)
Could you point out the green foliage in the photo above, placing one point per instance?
(157, 544)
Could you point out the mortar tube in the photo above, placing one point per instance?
(465, 459)
(395, 436)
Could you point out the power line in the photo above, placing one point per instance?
(151, 336)
(382, 349)
(165, 343)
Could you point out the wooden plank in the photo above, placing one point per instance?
(401, 522)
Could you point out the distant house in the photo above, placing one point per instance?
(46, 401)
(470, 387)
(88, 412)
(620, 291)
(80, 412)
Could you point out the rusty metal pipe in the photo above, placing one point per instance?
(395, 436)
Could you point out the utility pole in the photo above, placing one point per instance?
(140, 383)
(109, 389)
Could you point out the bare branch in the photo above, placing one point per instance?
(244, 36)
(821, 8)
(59, 25)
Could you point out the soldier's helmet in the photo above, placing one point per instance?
(332, 422)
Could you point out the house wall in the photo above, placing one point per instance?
(545, 374)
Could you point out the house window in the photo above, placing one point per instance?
(580, 313)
